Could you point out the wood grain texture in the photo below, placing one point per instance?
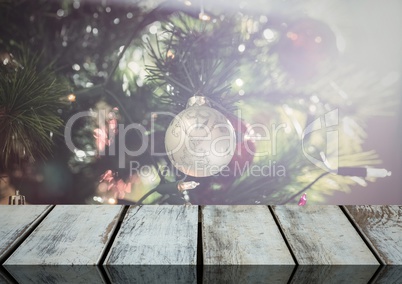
(156, 235)
(242, 235)
(70, 234)
(382, 227)
(16, 222)
(322, 235)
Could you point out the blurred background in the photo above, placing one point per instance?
(269, 62)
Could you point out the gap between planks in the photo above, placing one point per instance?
(113, 236)
(200, 257)
(284, 237)
(200, 263)
(292, 275)
(363, 236)
(368, 243)
(109, 244)
(14, 246)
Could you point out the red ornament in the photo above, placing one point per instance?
(303, 200)
(306, 47)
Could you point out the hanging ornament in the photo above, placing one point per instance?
(242, 158)
(306, 47)
(245, 147)
(303, 200)
(200, 141)
(16, 199)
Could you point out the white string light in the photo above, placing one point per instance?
(202, 16)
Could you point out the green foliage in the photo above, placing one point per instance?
(93, 46)
(194, 57)
(29, 102)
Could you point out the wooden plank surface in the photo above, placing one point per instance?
(70, 234)
(322, 235)
(237, 235)
(16, 222)
(240, 243)
(155, 244)
(382, 227)
(156, 235)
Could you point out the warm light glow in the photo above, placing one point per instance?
(187, 3)
(112, 201)
(71, 97)
(204, 17)
(292, 36)
(170, 54)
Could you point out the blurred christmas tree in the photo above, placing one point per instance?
(277, 77)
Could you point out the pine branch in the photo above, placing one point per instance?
(193, 58)
(29, 100)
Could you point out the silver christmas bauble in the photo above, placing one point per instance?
(200, 141)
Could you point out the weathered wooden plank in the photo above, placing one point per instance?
(381, 226)
(155, 244)
(69, 235)
(322, 235)
(16, 222)
(242, 235)
(156, 235)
